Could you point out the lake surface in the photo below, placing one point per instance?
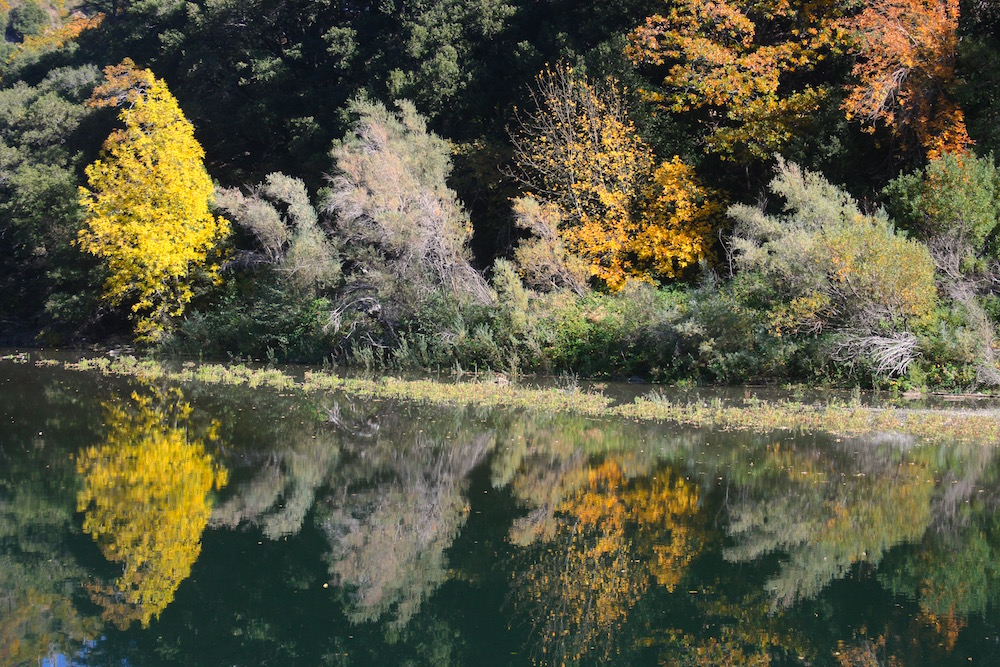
(202, 525)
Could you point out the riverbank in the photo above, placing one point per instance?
(837, 417)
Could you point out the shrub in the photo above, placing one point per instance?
(836, 269)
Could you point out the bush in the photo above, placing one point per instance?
(837, 270)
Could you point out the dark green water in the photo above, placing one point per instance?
(195, 525)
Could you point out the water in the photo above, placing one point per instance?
(194, 525)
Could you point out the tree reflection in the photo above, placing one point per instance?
(827, 513)
(401, 503)
(606, 540)
(38, 577)
(147, 499)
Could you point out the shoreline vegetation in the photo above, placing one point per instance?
(736, 193)
(838, 418)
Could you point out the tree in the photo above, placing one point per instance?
(42, 131)
(598, 199)
(28, 19)
(578, 149)
(291, 242)
(146, 501)
(678, 217)
(750, 64)
(908, 52)
(148, 203)
(954, 205)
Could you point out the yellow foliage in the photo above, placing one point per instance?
(579, 150)
(146, 497)
(739, 56)
(611, 535)
(148, 202)
(676, 228)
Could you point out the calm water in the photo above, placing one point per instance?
(192, 525)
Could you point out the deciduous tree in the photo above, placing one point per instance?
(908, 51)
(147, 205)
(747, 62)
(599, 199)
(578, 149)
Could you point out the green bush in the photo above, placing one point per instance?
(28, 19)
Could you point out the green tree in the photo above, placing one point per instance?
(148, 203)
(954, 205)
(43, 131)
(28, 19)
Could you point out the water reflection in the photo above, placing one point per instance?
(146, 501)
(360, 532)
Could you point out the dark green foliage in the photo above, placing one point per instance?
(28, 19)
(43, 132)
(259, 319)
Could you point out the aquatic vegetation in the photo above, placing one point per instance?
(835, 417)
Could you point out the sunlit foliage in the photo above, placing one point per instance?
(146, 499)
(837, 268)
(678, 219)
(908, 51)
(147, 204)
(747, 62)
(578, 149)
(282, 221)
(543, 260)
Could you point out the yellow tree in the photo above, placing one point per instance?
(908, 51)
(147, 205)
(146, 494)
(577, 148)
(582, 159)
(744, 62)
(677, 219)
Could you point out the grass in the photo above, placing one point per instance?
(839, 418)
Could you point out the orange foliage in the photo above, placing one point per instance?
(736, 57)
(56, 38)
(908, 50)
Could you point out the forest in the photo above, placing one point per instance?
(739, 191)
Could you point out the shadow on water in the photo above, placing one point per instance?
(147, 524)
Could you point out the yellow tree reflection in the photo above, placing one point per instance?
(610, 537)
(146, 494)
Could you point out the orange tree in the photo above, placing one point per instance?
(750, 65)
(906, 69)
